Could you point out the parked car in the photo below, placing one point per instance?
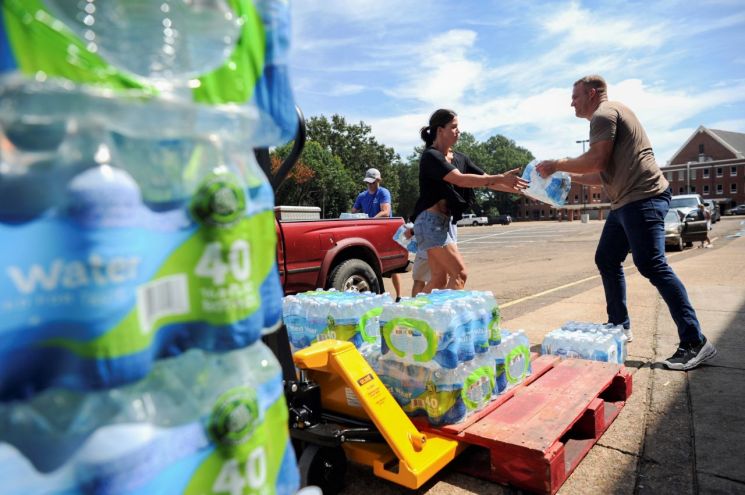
(737, 210)
(713, 208)
(683, 230)
(674, 229)
(686, 203)
(471, 219)
(502, 219)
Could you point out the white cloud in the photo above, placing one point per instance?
(445, 71)
(545, 124)
(409, 58)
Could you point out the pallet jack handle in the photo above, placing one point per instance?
(420, 455)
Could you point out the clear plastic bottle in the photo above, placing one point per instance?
(194, 411)
(552, 190)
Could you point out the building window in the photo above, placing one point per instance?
(720, 172)
(692, 173)
(700, 148)
(681, 175)
(681, 190)
(693, 189)
(733, 188)
(719, 189)
(706, 173)
(706, 189)
(733, 171)
(542, 214)
(576, 198)
(669, 176)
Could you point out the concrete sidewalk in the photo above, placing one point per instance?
(680, 432)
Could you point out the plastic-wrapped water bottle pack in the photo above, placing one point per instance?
(330, 314)
(138, 245)
(444, 356)
(594, 341)
(451, 395)
(446, 326)
(552, 190)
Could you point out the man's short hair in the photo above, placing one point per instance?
(594, 81)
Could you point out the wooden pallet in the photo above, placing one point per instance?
(534, 436)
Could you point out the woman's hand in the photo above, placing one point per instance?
(509, 181)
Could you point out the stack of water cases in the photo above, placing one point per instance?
(137, 247)
(330, 314)
(598, 342)
(444, 357)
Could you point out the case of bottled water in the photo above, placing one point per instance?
(138, 246)
(552, 190)
(441, 395)
(330, 314)
(512, 360)
(194, 423)
(446, 326)
(598, 342)
(443, 354)
(409, 243)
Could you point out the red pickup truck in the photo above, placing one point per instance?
(343, 254)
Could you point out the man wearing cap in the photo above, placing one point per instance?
(376, 202)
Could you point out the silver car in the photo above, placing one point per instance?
(674, 227)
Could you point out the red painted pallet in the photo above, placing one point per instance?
(534, 436)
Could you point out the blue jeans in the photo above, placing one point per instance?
(640, 226)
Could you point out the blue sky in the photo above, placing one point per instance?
(507, 67)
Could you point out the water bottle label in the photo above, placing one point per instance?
(412, 337)
(369, 326)
(251, 449)
(495, 334)
(478, 387)
(517, 364)
(124, 293)
(441, 406)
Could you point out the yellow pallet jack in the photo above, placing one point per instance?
(357, 419)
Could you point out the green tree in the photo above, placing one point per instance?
(318, 179)
(357, 150)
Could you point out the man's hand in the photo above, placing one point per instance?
(546, 168)
(409, 233)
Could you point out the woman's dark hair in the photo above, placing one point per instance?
(440, 118)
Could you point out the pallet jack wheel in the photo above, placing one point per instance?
(323, 467)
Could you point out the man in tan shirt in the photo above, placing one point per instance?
(620, 159)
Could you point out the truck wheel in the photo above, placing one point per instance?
(323, 467)
(354, 275)
(474, 224)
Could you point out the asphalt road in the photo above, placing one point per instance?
(543, 274)
(526, 262)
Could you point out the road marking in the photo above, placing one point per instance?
(549, 291)
(626, 270)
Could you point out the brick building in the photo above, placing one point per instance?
(710, 163)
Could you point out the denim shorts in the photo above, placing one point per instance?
(433, 230)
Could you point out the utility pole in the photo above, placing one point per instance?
(584, 191)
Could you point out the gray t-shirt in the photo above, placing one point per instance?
(631, 173)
